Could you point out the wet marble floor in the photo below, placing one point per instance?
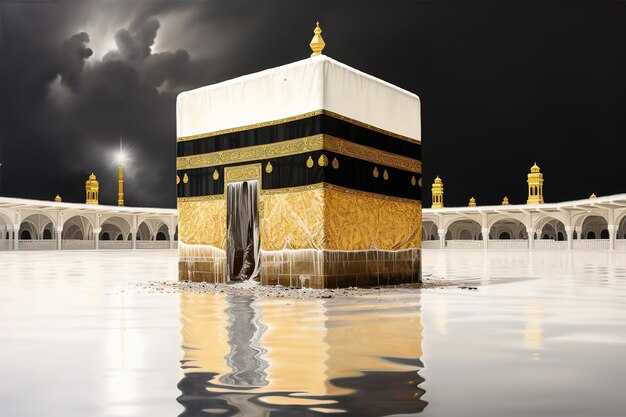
(543, 334)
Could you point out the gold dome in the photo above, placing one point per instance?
(505, 201)
(593, 195)
(535, 168)
(91, 180)
(438, 180)
(57, 198)
(472, 202)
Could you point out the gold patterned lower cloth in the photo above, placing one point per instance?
(319, 236)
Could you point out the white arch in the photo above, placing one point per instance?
(518, 217)
(449, 220)
(38, 222)
(77, 222)
(6, 218)
(154, 225)
(539, 220)
(551, 226)
(513, 226)
(30, 227)
(144, 232)
(6, 226)
(429, 228)
(579, 218)
(74, 232)
(163, 229)
(110, 223)
(48, 227)
(464, 224)
(595, 224)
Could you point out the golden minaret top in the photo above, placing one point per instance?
(58, 198)
(92, 188)
(317, 43)
(535, 185)
(437, 193)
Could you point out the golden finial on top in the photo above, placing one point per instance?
(593, 195)
(535, 168)
(58, 198)
(317, 43)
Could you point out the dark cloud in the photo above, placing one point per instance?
(77, 107)
(501, 83)
(74, 52)
(136, 46)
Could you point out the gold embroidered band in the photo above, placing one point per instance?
(299, 146)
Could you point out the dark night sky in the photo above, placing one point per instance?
(502, 84)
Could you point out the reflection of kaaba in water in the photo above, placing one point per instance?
(275, 357)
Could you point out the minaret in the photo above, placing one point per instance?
(120, 177)
(120, 185)
(437, 191)
(472, 202)
(92, 188)
(317, 43)
(535, 185)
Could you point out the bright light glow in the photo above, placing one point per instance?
(121, 157)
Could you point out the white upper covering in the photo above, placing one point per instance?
(312, 84)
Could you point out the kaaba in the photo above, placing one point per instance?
(304, 175)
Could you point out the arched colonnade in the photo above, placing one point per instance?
(598, 223)
(32, 224)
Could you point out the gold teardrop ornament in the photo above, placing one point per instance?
(419, 182)
(185, 178)
(309, 162)
(335, 163)
(322, 161)
(385, 175)
(177, 179)
(216, 175)
(375, 172)
(269, 168)
(413, 181)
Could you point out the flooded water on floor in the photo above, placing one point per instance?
(543, 334)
